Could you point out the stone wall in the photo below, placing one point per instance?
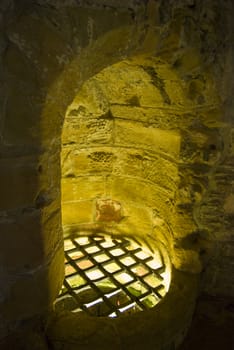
(121, 146)
(48, 50)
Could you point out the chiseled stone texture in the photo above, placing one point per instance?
(157, 327)
(148, 162)
(183, 93)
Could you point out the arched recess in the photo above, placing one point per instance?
(44, 195)
(166, 129)
(35, 100)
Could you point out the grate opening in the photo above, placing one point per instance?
(109, 276)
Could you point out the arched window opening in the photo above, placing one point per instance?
(119, 177)
(111, 276)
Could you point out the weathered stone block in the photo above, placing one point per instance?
(172, 36)
(158, 117)
(189, 61)
(17, 64)
(48, 54)
(136, 113)
(84, 131)
(186, 260)
(141, 164)
(183, 222)
(24, 243)
(133, 86)
(25, 340)
(70, 332)
(136, 135)
(136, 221)
(137, 191)
(33, 293)
(68, 189)
(229, 204)
(80, 188)
(175, 90)
(78, 162)
(19, 182)
(22, 113)
(91, 103)
(77, 212)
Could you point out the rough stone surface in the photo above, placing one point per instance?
(212, 326)
(146, 329)
(148, 98)
(148, 163)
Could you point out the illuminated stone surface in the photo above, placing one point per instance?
(172, 97)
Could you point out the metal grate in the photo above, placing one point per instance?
(108, 276)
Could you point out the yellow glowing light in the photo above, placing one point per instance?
(101, 258)
(82, 240)
(112, 267)
(142, 255)
(68, 244)
(154, 264)
(141, 270)
(116, 252)
(92, 249)
(128, 261)
(123, 277)
(94, 274)
(167, 278)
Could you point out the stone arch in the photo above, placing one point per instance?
(42, 199)
(34, 205)
(185, 259)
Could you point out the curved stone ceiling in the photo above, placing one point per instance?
(121, 148)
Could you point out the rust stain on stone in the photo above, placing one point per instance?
(108, 210)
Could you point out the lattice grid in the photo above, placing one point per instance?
(109, 276)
